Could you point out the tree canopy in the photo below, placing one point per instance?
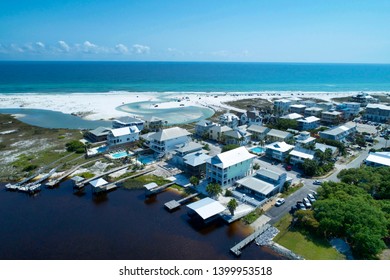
(229, 147)
(213, 189)
(232, 205)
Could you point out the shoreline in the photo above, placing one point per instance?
(104, 106)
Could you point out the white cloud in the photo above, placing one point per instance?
(120, 48)
(140, 49)
(16, 48)
(63, 46)
(89, 47)
(40, 45)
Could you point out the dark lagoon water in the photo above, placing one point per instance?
(58, 224)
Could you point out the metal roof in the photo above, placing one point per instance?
(98, 182)
(207, 207)
(257, 128)
(256, 185)
(196, 159)
(150, 186)
(190, 147)
(280, 146)
(231, 157)
(382, 158)
(268, 174)
(100, 131)
(169, 133)
(278, 133)
(124, 131)
(303, 153)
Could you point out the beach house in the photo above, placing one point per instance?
(299, 154)
(297, 108)
(202, 128)
(308, 123)
(122, 135)
(258, 132)
(304, 138)
(98, 134)
(378, 159)
(217, 132)
(239, 136)
(339, 133)
(263, 184)
(278, 150)
(277, 135)
(167, 140)
(281, 106)
(377, 113)
(128, 121)
(331, 117)
(152, 123)
(228, 167)
(229, 119)
(313, 111)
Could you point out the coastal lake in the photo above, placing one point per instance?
(60, 224)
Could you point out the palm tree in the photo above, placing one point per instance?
(232, 206)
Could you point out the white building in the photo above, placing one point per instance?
(281, 106)
(229, 119)
(239, 136)
(349, 109)
(217, 132)
(364, 98)
(313, 111)
(123, 135)
(297, 108)
(226, 168)
(339, 133)
(298, 155)
(263, 184)
(304, 138)
(308, 123)
(278, 135)
(378, 159)
(278, 150)
(128, 121)
(377, 113)
(166, 140)
(202, 128)
(292, 116)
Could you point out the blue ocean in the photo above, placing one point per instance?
(84, 77)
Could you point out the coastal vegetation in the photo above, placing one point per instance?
(194, 180)
(303, 243)
(357, 209)
(229, 147)
(232, 205)
(252, 216)
(321, 165)
(25, 148)
(75, 146)
(213, 189)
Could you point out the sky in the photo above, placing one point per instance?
(328, 31)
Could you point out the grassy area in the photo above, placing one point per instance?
(292, 189)
(86, 175)
(253, 216)
(139, 182)
(308, 246)
(26, 148)
(250, 103)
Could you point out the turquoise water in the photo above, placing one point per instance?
(120, 155)
(102, 149)
(258, 150)
(85, 77)
(146, 159)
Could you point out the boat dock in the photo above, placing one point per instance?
(30, 187)
(157, 189)
(113, 185)
(173, 204)
(236, 250)
(54, 182)
(81, 184)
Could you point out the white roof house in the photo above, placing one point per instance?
(302, 154)
(231, 157)
(280, 147)
(117, 132)
(256, 185)
(378, 159)
(292, 116)
(150, 186)
(98, 182)
(282, 135)
(206, 208)
(169, 133)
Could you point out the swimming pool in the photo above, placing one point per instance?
(146, 159)
(258, 150)
(121, 154)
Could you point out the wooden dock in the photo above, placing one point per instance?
(173, 204)
(114, 185)
(158, 189)
(81, 184)
(54, 182)
(236, 250)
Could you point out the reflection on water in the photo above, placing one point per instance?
(57, 224)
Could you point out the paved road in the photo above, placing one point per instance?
(275, 213)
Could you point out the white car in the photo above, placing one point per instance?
(311, 198)
(280, 201)
(306, 202)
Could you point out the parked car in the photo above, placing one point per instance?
(311, 198)
(306, 202)
(288, 167)
(315, 194)
(317, 182)
(301, 206)
(280, 201)
(293, 209)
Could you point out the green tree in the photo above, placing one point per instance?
(229, 147)
(75, 146)
(256, 166)
(213, 189)
(194, 180)
(232, 206)
(310, 167)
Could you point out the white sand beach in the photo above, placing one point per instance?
(96, 106)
